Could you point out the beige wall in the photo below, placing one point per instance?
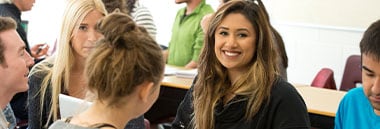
(338, 13)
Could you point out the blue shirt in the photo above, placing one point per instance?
(356, 112)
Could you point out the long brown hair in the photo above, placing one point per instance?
(213, 82)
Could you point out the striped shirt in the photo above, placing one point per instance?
(142, 16)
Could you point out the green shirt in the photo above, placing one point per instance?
(187, 35)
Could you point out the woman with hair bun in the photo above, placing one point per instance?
(123, 74)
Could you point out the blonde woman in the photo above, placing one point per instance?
(63, 72)
(124, 74)
(238, 84)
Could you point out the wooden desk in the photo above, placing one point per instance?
(176, 82)
(318, 100)
(321, 101)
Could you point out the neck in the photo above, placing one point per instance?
(79, 65)
(101, 113)
(17, 4)
(5, 99)
(191, 5)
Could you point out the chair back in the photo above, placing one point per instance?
(324, 79)
(352, 73)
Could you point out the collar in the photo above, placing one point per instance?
(12, 9)
(196, 10)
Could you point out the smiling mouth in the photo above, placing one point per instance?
(231, 53)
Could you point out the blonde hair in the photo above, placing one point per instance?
(125, 58)
(57, 77)
(213, 82)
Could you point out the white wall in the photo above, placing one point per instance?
(317, 33)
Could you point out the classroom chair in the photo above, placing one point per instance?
(352, 73)
(324, 79)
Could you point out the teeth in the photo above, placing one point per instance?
(231, 53)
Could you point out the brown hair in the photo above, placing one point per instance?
(6, 23)
(213, 82)
(126, 57)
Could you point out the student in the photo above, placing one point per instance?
(238, 86)
(360, 107)
(14, 65)
(140, 14)
(124, 74)
(187, 35)
(13, 9)
(63, 73)
(279, 45)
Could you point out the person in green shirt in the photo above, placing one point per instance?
(187, 34)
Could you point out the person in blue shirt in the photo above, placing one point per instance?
(360, 107)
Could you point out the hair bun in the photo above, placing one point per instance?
(116, 28)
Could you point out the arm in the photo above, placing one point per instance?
(289, 109)
(37, 119)
(198, 44)
(184, 111)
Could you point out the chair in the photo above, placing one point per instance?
(352, 73)
(324, 79)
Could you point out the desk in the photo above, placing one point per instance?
(318, 100)
(321, 101)
(176, 82)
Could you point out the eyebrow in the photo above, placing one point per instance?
(367, 69)
(240, 29)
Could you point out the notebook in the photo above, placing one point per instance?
(70, 106)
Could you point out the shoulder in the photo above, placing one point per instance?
(354, 96)
(355, 92)
(60, 124)
(41, 69)
(284, 92)
(282, 87)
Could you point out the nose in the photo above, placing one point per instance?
(93, 35)
(231, 41)
(29, 60)
(376, 86)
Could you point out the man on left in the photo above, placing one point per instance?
(14, 65)
(13, 9)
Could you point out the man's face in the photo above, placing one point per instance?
(371, 80)
(15, 68)
(24, 5)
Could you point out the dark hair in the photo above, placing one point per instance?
(112, 5)
(6, 23)
(370, 43)
(125, 58)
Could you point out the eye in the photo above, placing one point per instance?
(83, 27)
(242, 35)
(223, 33)
(369, 74)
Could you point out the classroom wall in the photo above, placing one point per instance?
(321, 33)
(317, 33)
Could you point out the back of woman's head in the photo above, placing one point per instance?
(126, 57)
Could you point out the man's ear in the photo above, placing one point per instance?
(145, 91)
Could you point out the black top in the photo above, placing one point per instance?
(285, 110)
